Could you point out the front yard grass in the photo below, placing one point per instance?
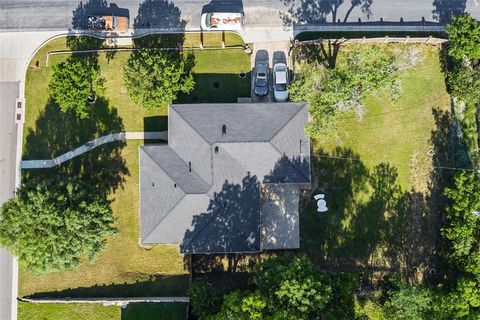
(29, 311)
(380, 184)
(125, 268)
(223, 65)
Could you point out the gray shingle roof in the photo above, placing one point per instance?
(217, 206)
(280, 218)
(244, 122)
(176, 168)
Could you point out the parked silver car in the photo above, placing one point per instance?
(261, 78)
(280, 82)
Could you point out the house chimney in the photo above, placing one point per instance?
(224, 130)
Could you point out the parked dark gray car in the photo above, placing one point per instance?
(261, 78)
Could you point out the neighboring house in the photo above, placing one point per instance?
(229, 179)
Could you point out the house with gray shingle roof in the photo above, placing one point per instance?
(229, 179)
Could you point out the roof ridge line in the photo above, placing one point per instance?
(170, 175)
(169, 211)
(189, 124)
(158, 164)
(172, 107)
(296, 169)
(288, 121)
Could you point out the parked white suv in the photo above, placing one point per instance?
(280, 82)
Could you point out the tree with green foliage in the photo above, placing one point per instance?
(464, 82)
(73, 82)
(463, 77)
(286, 287)
(53, 223)
(331, 92)
(293, 287)
(204, 299)
(410, 303)
(462, 302)
(462, 230)
(154, 77)
(464, 37)
(243, 306)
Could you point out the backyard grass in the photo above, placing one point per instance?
(379, 182)
(155, 311)
(125, 268)
(87, 311)
(30, 311)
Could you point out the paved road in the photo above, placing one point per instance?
(67, 14)
(8, 140)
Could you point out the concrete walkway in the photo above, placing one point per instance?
(42, 164)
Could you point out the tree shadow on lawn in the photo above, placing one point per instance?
(372, 223)
(324, 53)
(230, 271)
(155, 286)
(58, 132)
(155, 311)
(217, 88)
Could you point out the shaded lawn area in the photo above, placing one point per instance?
(29, 311)
(210, 65)
(155, 311)
(382, 193)
(124, 268)
(217, 79)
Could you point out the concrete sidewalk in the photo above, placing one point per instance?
(9, 91)
(50, 163)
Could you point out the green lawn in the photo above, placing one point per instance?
(133, 311)
(155, 311)
(224, 68)
(210, 65)
(32, 311)
(380, 187)
(125, 268)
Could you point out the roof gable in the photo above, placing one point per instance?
(174, 166)
(243, 122)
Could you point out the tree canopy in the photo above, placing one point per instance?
(464, 37)
(154, 77)
(205, 300)
(410, 303)
(53, 223)
(462, 230)
(284, 287)
(463, 77)
(73, 81)
(342, 89)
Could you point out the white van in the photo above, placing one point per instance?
(222, 21)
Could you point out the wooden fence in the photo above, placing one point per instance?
(385, 39)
